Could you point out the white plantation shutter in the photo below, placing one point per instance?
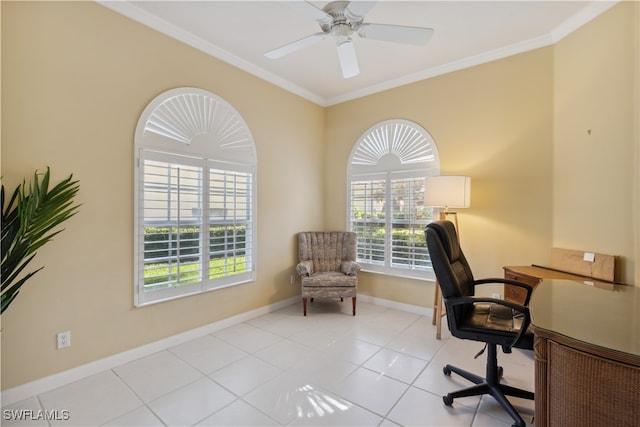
(172, 190)
(408, 220)
(194, 197)
(368, 198)
(386, 173)
(231, 215)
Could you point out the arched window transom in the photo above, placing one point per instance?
(195, 190)
(386, 172)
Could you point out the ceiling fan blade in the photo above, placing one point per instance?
(306, 8)
(348, 59)
(356, 10)
(396, 33)
(294, 46)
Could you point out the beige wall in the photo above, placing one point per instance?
(518, 127)
(76, 76)
(75, 79)
(492, 122)
(595, 138)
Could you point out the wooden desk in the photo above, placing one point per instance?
(532, 275)
(587, 354)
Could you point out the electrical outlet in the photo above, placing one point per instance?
(293, 279)
(496, 295)
(64, 339)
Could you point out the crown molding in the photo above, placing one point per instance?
(141, 16)
(581, 18)
(567, 27)
(135, 13)
(471, 61)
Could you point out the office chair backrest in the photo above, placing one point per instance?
(449, 263)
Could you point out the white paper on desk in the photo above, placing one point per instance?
(589, 256)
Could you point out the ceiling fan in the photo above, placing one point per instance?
(341, 20)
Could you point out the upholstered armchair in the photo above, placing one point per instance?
(327, 265)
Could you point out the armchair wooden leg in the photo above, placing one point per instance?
(304, 306)
(353, 302)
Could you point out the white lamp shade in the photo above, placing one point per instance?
(447, 192)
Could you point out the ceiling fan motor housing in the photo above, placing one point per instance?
(343, 22)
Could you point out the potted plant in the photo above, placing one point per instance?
(29, 221)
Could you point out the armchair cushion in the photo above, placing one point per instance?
(326, 279)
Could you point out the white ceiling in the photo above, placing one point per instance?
(466, 33)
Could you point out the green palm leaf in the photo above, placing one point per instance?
(28, 222)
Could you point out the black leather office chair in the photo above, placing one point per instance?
(493, 321)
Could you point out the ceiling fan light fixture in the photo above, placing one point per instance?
(341, 29)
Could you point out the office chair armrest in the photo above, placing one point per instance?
(474, 300)
(512, 305)
(523, 285)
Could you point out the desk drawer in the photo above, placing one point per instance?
(515, 293)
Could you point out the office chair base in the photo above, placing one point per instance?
(489, 385)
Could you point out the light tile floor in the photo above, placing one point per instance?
(382, 367)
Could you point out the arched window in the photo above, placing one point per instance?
(195, 191)
(385, 207)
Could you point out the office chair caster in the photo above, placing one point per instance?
(447, 400)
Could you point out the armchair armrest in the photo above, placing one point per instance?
(350, 268)
(523, 310)
(304, 268)
(523, 285)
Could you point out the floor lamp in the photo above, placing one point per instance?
(445, 192)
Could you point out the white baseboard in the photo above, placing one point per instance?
(59, 379)
(415, 309)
